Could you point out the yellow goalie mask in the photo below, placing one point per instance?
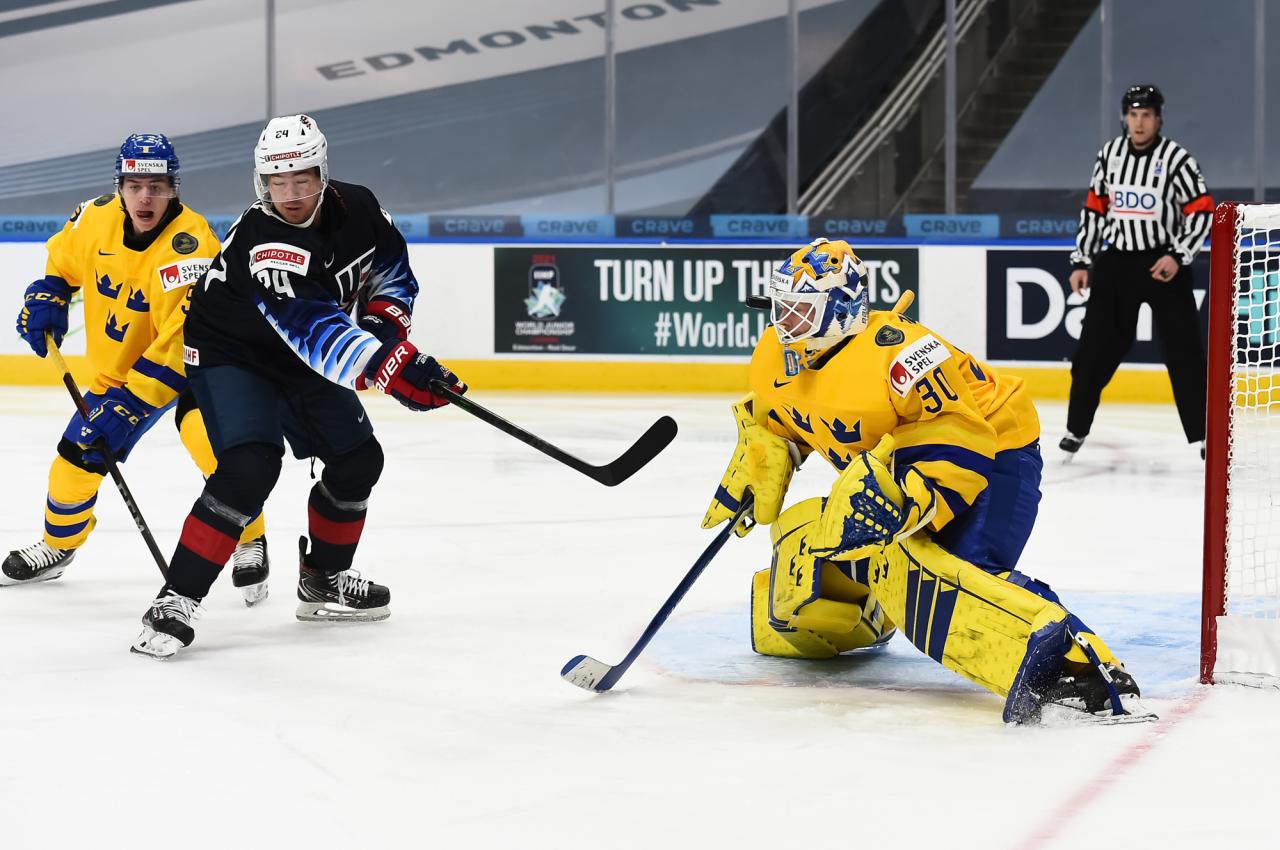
(818, 297)
(763, 463)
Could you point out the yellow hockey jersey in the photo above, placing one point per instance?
(948, 413)
(131, 295)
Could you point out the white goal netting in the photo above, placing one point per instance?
(1249, 634)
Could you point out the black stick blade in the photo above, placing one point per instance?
(643, 450)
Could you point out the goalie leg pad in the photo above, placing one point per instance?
(961, 616)
(803, 607)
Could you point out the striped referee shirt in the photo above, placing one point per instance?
(1144, 200)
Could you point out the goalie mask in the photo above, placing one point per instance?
(818, 297)
(292, 143)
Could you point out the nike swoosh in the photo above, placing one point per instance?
(361, 419)
(777, 385)
(102, 253)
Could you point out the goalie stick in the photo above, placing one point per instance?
(109, 459)
(592, 675)
(643, 450)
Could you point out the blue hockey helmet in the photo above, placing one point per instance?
(818, 297)
(147, 155)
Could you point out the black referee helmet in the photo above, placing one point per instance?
(1142, 97)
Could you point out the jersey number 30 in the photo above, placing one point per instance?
(929, 396)
(276, 280)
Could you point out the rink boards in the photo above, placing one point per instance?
(671, 318)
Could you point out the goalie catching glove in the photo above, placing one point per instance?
(868, 509)
(762, 463)
(405, 374)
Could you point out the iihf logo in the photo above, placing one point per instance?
(1158, 169)
(546, 295)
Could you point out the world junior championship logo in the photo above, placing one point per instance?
(546, 295)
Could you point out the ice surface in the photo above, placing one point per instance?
(448, 725)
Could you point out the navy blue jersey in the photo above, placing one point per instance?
(283, 300)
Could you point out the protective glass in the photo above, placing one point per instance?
(289, 186)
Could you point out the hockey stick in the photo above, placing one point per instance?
(592, 675)
(643, 450)
(108, 458)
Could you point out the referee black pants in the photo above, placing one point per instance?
(1119, 284)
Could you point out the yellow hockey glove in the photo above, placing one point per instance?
(762, 463)
(868, 509)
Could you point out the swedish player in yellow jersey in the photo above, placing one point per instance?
(133, 254)
(938, 488)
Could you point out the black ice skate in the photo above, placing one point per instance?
(1070, 444)
(37, 562)
(1081, 695)
(166, 627)
(250, 568)
(338, 597)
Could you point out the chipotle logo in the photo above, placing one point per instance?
(278, 255)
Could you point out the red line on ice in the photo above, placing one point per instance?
(1070, 808)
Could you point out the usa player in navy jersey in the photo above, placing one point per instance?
(310, 299)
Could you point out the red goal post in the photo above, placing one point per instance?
(1240, 624)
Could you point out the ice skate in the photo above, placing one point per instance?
(1070, 444)
(1081, 696)
(166, 627)
(37, 562)
(338, 597)
(250, 568)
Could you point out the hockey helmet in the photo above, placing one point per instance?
(147, 155)
(1142, 97)
(818, 296)
(289, 143)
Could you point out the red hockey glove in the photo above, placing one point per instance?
(386, 319)
(405, 374)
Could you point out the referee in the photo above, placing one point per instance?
(1146, 216)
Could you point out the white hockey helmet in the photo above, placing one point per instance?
(289, 143)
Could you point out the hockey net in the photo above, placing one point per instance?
(1240, 636)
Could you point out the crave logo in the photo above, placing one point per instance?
(913, 361)
(278, 255)
(182, 272)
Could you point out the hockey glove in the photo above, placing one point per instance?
(113, 422)
(868, 509)
(405, 374)
(44, 309)
(386, 319)
(762, 463)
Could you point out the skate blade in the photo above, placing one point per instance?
(254, 593)
(48, 575)
(156, 645)
(1064, 715)
(328, 612)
